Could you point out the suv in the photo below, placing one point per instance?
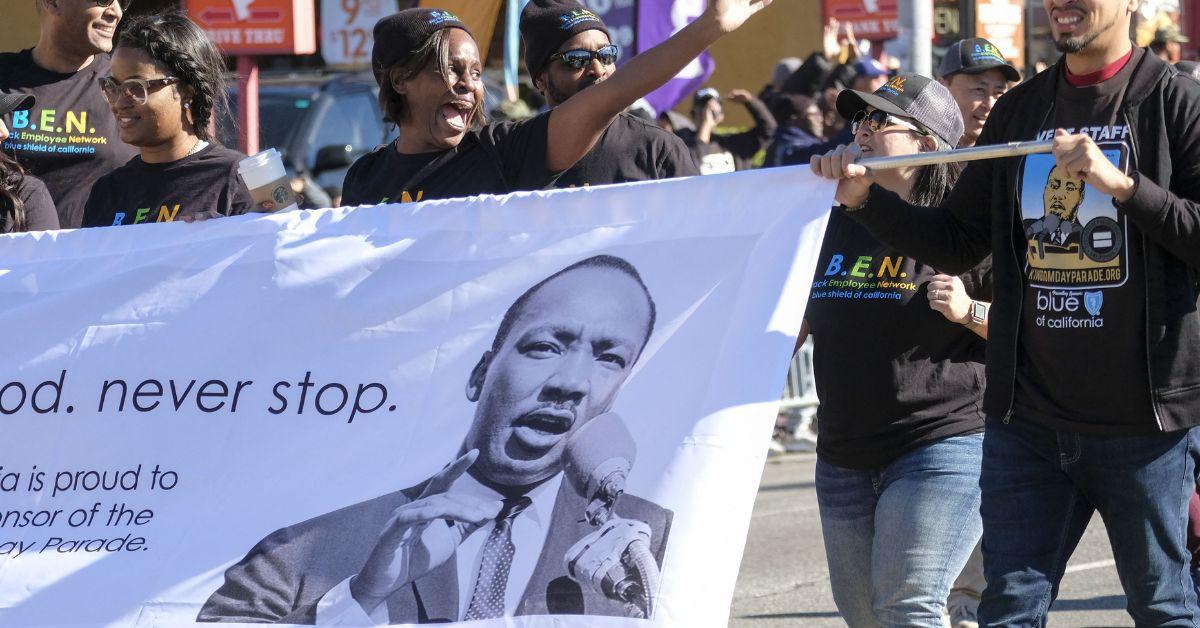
(320, 123)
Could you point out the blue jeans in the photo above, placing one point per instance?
(1040, 488)
(896, 537)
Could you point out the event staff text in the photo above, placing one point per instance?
(297, 396)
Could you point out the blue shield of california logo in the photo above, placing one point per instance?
(1093, 301)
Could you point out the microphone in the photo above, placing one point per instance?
(597, 462)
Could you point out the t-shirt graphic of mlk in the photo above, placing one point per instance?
(497, 532)
(1075, 236)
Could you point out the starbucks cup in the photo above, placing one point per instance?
(267, 181)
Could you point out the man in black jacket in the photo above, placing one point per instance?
(718, 153)
(1093, 376)
(567, 49)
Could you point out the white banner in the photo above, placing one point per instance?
(268, 418)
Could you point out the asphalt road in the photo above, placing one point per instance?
(784, 580)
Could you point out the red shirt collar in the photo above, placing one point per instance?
(1099, 76)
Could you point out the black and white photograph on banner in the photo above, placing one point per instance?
(510, 410)
(536, 517)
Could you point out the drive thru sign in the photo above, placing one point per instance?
(255, 27)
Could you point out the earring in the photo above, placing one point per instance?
(187, 105)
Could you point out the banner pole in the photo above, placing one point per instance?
(1012, 149)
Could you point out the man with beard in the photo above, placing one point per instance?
(567, 49)
(487, 535)
(1093, 392)
(69, 139)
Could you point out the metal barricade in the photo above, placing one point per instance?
(799, 400)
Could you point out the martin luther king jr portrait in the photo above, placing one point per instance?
(486, 536)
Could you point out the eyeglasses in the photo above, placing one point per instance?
(136, 90)
(104, 4)
(576, 59)
(878, 119)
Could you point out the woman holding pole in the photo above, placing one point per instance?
(900, 424)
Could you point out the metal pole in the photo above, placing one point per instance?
(1012, 149)
(247, 69)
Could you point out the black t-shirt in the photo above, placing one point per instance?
(139, 192)
(69, 139)
(892, 373)
(1081, 361)
(38, 207)
(496, 159)
(631, 149)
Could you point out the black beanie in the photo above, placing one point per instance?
(400, 35)
(547, 24)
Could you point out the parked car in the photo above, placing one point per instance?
(320, 123)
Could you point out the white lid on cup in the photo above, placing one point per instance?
(262, 168)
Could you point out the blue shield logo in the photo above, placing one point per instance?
(1093, 301)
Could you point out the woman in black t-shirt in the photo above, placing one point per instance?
(898, 359)
(429, 72)
(167, 83)
(25, 204)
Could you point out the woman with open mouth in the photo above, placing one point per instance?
(429, 72)
(167, 81)
(900, 428)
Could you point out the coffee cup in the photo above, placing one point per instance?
(267, 181)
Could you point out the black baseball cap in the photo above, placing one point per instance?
(401, 35)
(911, 96)
(15, 102)
(974, 56)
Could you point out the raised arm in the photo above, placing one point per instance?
(576, 124)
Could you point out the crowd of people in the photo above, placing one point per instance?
(1066, 282)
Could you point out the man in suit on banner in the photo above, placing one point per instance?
(487, 535)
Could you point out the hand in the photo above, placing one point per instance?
(855, 51)
(947, 295)
(740, 96)
(421, 535)
(854, 180)
(830, 45)
(1079, 158)
(729, 15)
(200, 216)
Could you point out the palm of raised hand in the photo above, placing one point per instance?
(731, 14)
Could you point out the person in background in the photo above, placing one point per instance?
(801, 125)
(71, 117)
(167, 86)
(783, 70)
(1168, 43)
(429, 71)
(900, 425)
(976, 74)
(568, 50)
(672, 121)
(717, 153)
(25, 204)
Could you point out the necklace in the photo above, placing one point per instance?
(200, 145)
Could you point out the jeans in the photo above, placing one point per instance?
(896, 537)
(1040, 488)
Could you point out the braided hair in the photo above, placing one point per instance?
(174, 41)
(12, 210)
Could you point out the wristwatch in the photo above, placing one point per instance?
(979, 311)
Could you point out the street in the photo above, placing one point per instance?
(784, 580)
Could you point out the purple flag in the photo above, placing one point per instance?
(658, 20)
(619, 16)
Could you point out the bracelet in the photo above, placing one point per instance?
(859, 207)
(856, 208)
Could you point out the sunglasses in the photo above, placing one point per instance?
(104, 4)
(878, 119)
(576, 59)
(136, 90)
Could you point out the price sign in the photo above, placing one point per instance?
(346, 29)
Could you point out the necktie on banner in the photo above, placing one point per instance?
(271, 419)
(492, 583)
